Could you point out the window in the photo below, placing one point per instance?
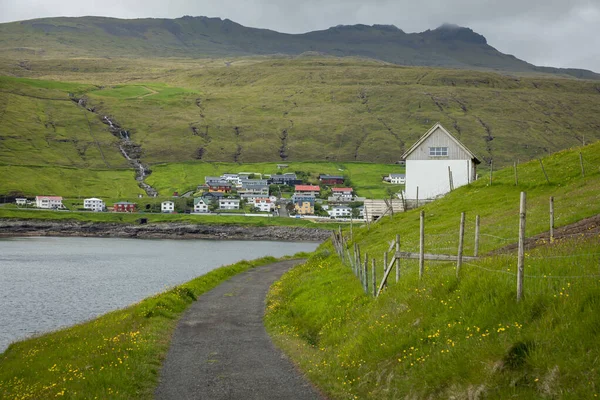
(438, 151)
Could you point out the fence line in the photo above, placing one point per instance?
(350, 254)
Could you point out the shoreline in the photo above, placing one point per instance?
(163, 230)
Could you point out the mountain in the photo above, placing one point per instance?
(447, 46)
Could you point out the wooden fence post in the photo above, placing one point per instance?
(461, 236)
(385, 264)
(544, 171)
(581, 164)
(521, 256)
(551, 219)
(374, 277)
(417, 197)
(397, 259)
(516, 174)
(422, 244)
(476, 250)
(366, 274)
(449, 178)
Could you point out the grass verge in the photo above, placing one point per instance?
(444, 337)
(439, 337)
(116, 356)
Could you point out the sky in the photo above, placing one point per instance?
(557, 33)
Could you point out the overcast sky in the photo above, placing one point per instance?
(558, 33)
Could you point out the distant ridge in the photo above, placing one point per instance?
(446, 46)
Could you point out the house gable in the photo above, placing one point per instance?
(439, 137)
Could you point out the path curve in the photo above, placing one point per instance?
(221, 350)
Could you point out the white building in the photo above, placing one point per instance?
(263, 204)
(49, 202)
(94, 204)
(398, 179)
(167, 207)
(200, 205)
(436, 161)
(229, 204)
(340, 211)
(342, 193)
(21, 201)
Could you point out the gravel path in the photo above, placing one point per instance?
(221, 350)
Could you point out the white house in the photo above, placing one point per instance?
(229, 204)
(436, 161)
(49, 202)
(398, 179)
(200, 205)
(340, 211)
(94, 204)
(263, 204)
(21, 201)
(167, 206)
(342, 193)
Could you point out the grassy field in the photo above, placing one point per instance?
(300, 109)
(68, 181)
(116, 356)
(442, 337)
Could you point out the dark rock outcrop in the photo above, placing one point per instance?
(11, 227)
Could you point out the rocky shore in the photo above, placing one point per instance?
(160, 230)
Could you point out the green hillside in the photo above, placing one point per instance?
(446, 46)
(440, 336)
(256, 110)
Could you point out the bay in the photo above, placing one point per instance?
(47, 283)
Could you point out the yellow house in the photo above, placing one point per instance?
(305, 207)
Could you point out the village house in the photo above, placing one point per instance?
(228, 203)
(263, 204)
(21, 201)
(94, 204)
(397, 179)
(285, 179)
(437, 163)
(331, 179)
(340, 211)
(124, 206)
(200, 205)
(167, 207)
(307, 190)
(212, 197)
(49, 202)
(342, 193)
(220, 186)
(304, 204)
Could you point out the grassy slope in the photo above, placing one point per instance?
(331, 109)
(116, 356)
(440, 337)
(202, 37)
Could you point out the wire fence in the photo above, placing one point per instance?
(542, 263)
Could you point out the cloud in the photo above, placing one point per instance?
(545, 32)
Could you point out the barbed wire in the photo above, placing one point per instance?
(569, 256)
(532, 276)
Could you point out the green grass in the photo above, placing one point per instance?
(68, 182)
(240, 113)
(116, 356)
(439, 336)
